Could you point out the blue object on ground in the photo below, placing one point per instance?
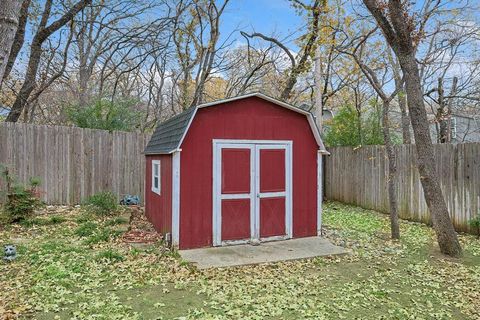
(129, 200)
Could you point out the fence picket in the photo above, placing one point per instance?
(358, 176)
(73, 163)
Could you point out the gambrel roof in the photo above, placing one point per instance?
(169, 135)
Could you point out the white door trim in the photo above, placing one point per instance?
(319, 193)
(254, 195)
(217, 192)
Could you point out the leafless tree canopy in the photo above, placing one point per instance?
(165, 56)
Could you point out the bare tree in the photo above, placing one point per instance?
(371, 74)
(9, 20)
(450, 46)
(402, 35)
(44, 31)
(300, 63)
(98, 28)
(196, 34)
(52, 69)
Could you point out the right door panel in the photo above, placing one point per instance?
(271, 182)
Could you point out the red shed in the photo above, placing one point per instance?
(239, 170)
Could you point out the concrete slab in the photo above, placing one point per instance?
(274, 251)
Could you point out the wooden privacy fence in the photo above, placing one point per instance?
(359, 177)
(74, 163)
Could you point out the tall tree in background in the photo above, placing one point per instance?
(370, 72)
(9, 16)
(402, 35)
(43, 32)
(196, 33)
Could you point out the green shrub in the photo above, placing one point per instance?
(475, 224)
(21, 200)
(102, 203)
(110, 255)
(86, 229)
(106, 115)
(349, 128)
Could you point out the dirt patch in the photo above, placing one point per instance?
(139, 236)
(141, 231)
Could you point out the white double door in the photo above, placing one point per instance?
(252, 191)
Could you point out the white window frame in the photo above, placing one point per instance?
(154, 163)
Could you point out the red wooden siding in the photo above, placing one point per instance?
(158, 208)
(254, 119)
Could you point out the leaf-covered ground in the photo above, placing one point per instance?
(75, 266)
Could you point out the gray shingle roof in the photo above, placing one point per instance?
(168, 134)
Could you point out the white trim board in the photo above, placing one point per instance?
(319, 193)
(176, 199)
(254, 146)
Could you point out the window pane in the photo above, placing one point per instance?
(155, 169)
(155, 182)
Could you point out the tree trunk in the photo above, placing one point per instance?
(42, 34)
(9, 14)
(402, 102)
(19, 38)
(402, 99)
(83, 79)
(446, 235)
(28, 84)
(442, 114)
(392, 173)
(318, 88)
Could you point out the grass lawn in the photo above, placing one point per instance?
(74, 266)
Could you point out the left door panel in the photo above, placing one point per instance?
(236, 193)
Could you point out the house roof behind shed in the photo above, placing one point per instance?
(169, 134)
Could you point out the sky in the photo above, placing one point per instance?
(265, 16)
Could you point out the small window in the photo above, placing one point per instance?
(156, 176)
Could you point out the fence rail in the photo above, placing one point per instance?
(73, 163)
(359, 176)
